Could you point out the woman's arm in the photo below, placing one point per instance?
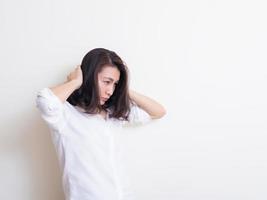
(153, 108)
(64, 90)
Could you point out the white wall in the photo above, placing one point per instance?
(204, 60)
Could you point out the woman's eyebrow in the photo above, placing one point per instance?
(111, 79)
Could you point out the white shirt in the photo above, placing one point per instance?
(89, 160)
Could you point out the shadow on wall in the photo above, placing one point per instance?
(30, 163)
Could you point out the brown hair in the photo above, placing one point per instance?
(87, 96)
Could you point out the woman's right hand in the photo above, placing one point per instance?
(76, 76)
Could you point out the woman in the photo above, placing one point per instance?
(83, 114)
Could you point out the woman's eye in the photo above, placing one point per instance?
(106, 82)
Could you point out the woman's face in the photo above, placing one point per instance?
(108, 78)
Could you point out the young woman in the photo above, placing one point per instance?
(82, 115)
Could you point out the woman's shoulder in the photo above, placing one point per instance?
(71, 108)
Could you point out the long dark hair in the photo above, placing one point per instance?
(87, 96)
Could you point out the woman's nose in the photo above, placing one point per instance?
(109, 91)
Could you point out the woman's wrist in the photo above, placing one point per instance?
(75, 83)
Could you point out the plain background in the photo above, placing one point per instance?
(204, 60)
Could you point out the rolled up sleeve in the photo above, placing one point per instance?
(51, 109)
(137, 116)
